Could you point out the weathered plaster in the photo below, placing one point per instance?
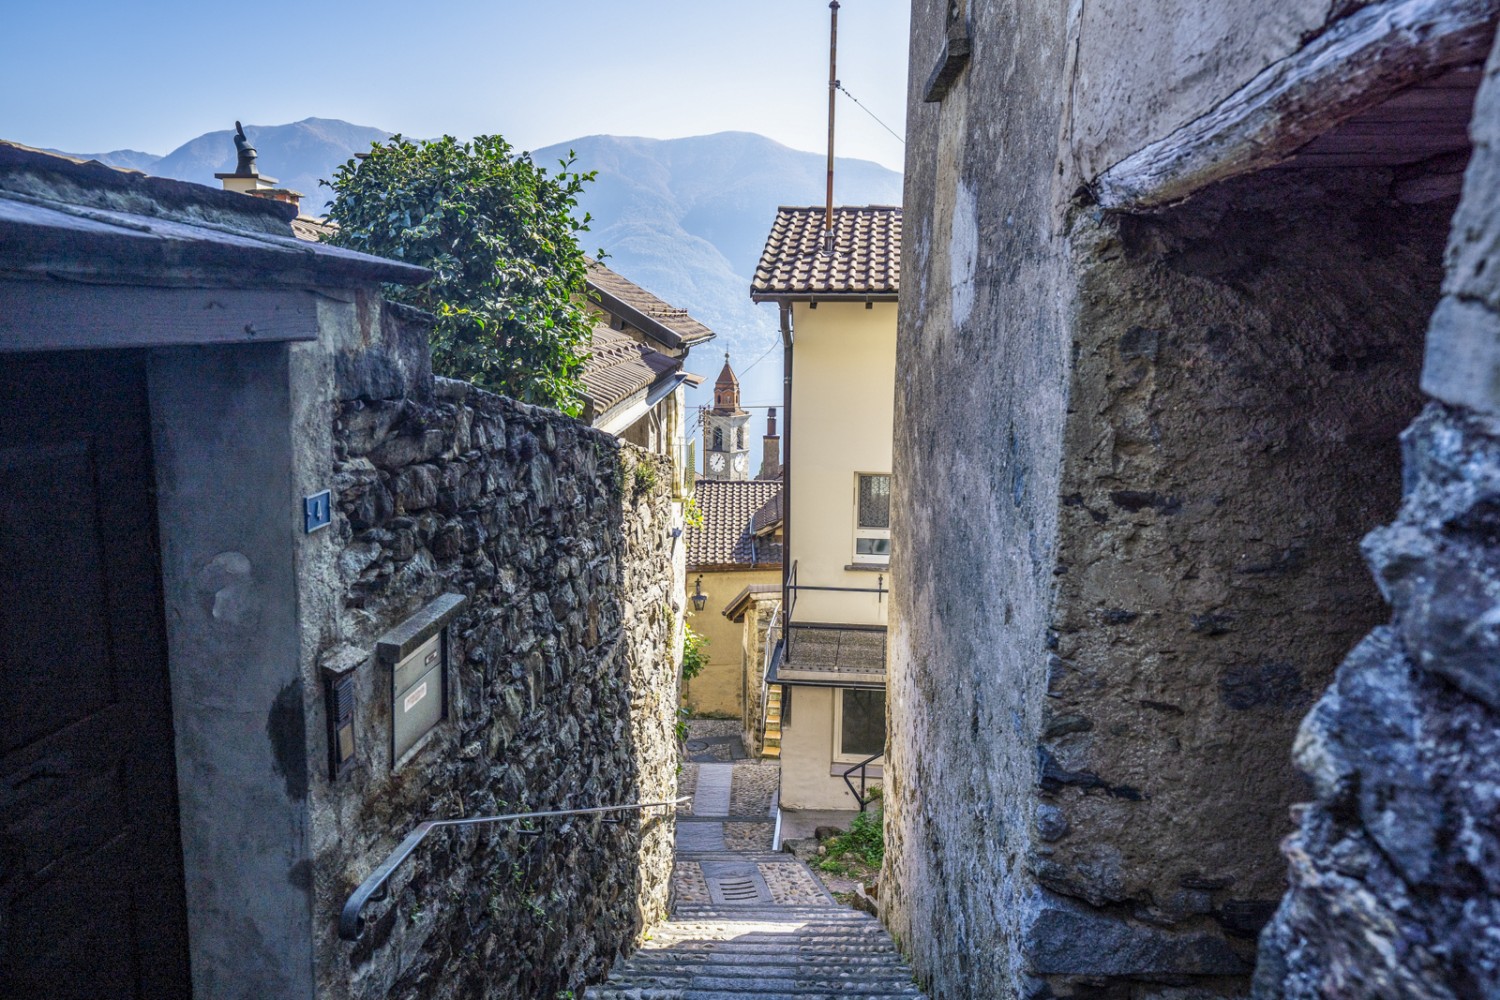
(224, 460)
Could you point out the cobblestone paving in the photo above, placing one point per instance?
(700, 729)
(749, 836)
(687, 784)
(793, 885)
(731, 937)
(754, 788)
(688, 884)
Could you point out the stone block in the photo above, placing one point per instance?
(1064, 937)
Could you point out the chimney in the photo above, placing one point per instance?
(247, 178)
(770, 462)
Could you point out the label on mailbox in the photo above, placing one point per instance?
(414, 697)
(417, 702)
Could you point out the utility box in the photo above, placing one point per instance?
(417, 654)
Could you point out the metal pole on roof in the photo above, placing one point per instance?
(833, 89)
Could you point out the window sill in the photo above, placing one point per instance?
(872, 773)
(884, 567)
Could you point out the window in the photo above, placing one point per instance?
(872, 519)
(740, 439)
(858, 724)
(718, 439)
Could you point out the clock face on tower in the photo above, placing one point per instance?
(716, 463)
(739, 463)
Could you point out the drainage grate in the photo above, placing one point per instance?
(731, 883)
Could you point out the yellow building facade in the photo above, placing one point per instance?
(837, 293)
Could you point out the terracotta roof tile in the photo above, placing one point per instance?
(726, 538)
(866, 257)
(618, 366)
(674, 322)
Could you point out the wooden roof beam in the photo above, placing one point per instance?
(1356, 64)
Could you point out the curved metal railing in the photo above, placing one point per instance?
(351, 919)
(859, 794)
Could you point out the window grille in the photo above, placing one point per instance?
(874, 501)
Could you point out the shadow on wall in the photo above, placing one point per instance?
(1244, 365)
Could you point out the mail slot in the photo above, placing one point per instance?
(419, 697)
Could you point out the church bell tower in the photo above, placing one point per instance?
(726, 448)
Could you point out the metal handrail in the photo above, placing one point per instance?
(860, 767)
(351, 922)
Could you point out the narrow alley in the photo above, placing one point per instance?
(747, 921)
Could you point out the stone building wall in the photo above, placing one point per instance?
(1395, 865)
(980, 407)
(758, 614)
(563, 685)
(1243, 367)
(1134, 459)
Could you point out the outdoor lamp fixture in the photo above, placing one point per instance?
(699, 598)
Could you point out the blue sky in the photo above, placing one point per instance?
(92, 76)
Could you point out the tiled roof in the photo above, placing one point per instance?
(674, 326)
(725, 539)
(866, 257)
(305, 227)
(618, 367)
(767, 517)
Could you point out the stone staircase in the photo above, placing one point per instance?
(757, 924)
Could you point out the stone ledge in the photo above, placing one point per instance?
(400, 641)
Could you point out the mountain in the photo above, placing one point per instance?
(684, 218)
(297, 155)
(129, 159)
(688, 218)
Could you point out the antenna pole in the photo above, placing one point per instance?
(833, 86)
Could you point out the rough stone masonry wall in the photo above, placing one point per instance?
(1244, 364)
(1395, 865)
(1133, 460)
(563, 689)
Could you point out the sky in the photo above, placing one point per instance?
(88, 76)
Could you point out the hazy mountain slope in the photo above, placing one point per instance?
(129, 159)
(687, 218)
(297, 155)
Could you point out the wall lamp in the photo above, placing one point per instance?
(699, 598)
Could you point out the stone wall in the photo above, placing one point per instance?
(562, 692)
(981, 401)
(1243, 367)
(1134, 458)
(1395, 866)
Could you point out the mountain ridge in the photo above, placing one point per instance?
(685, 218)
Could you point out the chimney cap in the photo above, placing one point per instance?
(245, 154)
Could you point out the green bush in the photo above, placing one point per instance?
(498, 232)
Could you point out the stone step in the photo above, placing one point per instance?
(764, 953)
(644, 991)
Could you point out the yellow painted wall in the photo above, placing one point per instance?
(720, 688)
(843, 401)
(807, 778)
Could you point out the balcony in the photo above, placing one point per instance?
(834, 655)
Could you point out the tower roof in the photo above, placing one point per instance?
(727, 390)
(727, 377)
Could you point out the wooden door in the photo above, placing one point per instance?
(91, 885)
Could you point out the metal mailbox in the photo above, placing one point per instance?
(416, 653)
(418, 695)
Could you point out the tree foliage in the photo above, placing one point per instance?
(499, 234)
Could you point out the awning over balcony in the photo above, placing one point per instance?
(830, 655)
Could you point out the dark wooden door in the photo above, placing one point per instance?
(91, 886)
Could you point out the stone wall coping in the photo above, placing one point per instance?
(402, 640)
